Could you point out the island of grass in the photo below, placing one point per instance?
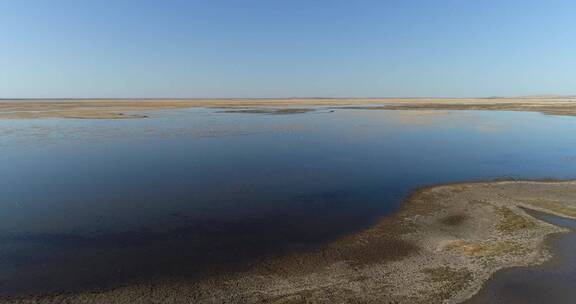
(441, 247)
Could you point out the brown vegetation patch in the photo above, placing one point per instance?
(560, 208)
(551, 108)
(377, 251)
(451, 280)
(454, 219)
(484, 248)
(512, 221)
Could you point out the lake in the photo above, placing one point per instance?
(183, 193)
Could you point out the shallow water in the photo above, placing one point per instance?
(552, 282)
(93, 203)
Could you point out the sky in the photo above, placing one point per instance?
(296, 48)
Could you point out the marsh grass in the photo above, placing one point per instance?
(451, 279)
(485, 249)
(554, 206)
(454, 219)
(512, 221)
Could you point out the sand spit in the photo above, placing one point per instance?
(443, 244)
(122, 109)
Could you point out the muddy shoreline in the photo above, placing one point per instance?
(442, 246)
(134, 108)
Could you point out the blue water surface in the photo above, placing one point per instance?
(93, 203)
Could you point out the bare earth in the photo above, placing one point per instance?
(121, 109)
(443, 244)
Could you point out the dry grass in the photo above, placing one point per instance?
(567, 108)
(443, 273)
(560, 208)
(454, 220)
(451, 279)
(484, 248)
(512, 221)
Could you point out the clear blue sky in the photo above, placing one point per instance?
(268, 48)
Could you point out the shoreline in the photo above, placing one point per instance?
(529, 277)
(133, 109)
(443, 245)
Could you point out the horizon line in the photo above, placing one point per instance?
(283, 98)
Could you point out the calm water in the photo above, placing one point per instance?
(89, 203)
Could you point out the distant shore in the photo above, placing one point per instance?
(441, 247)
(137, 108)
